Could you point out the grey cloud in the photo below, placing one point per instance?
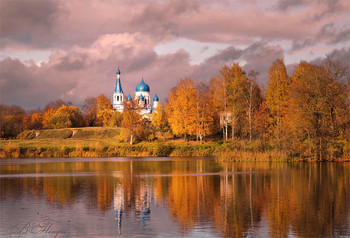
(68, 64)
(73, 77)
(28, 22)
(332, 6)
(328, 33)
(228, 54)
(342, 36)
(261, 59)
(143, 61)
(286, 4)
(342, 54)
(31, 86)
(159, 19)
(331, 34)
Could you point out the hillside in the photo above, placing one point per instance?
(72, 133)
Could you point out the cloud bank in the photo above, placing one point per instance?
(84, 43)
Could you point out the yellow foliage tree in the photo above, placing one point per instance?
(66, 117)
(104, 109)
(158, 117)
(131, 119)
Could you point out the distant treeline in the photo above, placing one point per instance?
(306, 115)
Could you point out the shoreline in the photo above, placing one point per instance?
(225, 151)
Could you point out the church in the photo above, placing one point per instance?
(142, 97)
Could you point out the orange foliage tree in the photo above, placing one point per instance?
(181, 109)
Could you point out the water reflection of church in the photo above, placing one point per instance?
(141, 202)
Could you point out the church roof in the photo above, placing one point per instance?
(129, 97)
(156, 98)
(142, 87)
(141, 97)
(118, 87)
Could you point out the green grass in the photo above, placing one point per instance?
(103, 142)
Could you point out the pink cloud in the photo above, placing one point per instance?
(91, 40)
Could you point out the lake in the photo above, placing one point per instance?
(173, 197)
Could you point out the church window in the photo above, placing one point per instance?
(117, 98)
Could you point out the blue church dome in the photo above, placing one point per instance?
(156, 98)
(129, 98)
(142, 87)
(118, 71)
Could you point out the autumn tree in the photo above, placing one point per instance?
(47, 116)
(104, 109)
(158, 117)
(50, 109)
(66, 117)
(11, 121)
(90, 111)
(218, 100)
(204, 112)
(55, 104)
(277, 95)
(231, 92)
(132, 119)
(237, 90)
(34, 121)
(253, 98)
(181, 108)
(317, 114)
(261, 122)
(116, 119)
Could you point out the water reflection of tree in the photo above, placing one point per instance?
(305, 199)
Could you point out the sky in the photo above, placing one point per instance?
(71, 50)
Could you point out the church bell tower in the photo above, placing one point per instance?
(118, 95)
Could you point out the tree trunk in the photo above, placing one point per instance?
(250, 111)
(233, 131)
(131, 137)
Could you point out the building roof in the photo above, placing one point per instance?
(142, 87)
(118, 87)
(141, 97)
(118, 71)
(156, 98)
(129, 97)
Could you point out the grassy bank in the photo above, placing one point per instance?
(50, 148)
(104, 142)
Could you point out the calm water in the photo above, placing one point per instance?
(173, 198)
